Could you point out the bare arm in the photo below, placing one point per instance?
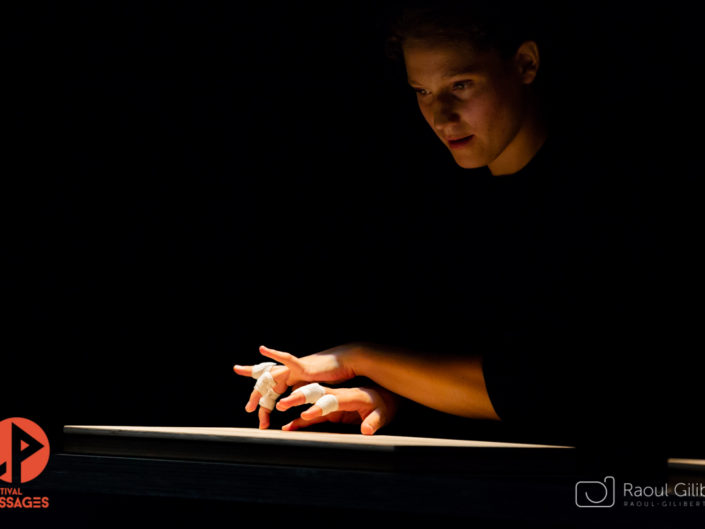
(451, 384)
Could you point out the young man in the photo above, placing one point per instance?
(476, 74)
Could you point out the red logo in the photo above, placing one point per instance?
(24, 450)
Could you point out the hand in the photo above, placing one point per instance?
(373, 408)
(331, 365)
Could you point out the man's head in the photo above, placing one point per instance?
(474, 71)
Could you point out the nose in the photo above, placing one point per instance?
(444, 112)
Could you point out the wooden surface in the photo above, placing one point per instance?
(687, 464)
(382, 453)
(292, 438)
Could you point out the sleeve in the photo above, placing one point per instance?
(535, 387)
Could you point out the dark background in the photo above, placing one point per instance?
(185, 182)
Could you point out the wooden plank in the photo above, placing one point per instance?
(321, 450)
(697, 465)
(295, 437)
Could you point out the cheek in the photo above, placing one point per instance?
(509, 109)
(477, 115)
(491, 115)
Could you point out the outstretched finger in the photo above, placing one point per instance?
(280, 356)
(245, 371)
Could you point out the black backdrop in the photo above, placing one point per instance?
(189, 181)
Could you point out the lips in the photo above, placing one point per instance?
(459, 141)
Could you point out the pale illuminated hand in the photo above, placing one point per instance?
(327, 366)
(372, 408)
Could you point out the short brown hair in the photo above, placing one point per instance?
(487, 25)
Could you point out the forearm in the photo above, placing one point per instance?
(449, 384)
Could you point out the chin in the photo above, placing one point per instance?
(469, 163)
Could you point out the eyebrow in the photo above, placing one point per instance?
(471, 68)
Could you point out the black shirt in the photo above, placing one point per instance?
(568, 349)
(551, 275)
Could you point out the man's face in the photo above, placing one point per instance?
(474, 101)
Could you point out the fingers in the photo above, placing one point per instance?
(330, 404)
(264, 413)
(349, 399)
(263, 418)
(272, 380)
(301, 423)
(352, 403)
(295, 399)
(314, 412)
(373, 422)
(309, 393)
(279, 375)
(245, 371)
(252, 403)
(312, 393)
(284, 358)
(279, 356)
(254, 371)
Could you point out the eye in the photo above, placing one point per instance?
(421, 91)
(461, 85)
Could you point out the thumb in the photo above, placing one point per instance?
(372, 422)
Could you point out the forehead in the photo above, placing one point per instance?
(437, 60)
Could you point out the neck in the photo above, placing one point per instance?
(526, 143)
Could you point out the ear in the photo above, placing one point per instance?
(526, 61)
